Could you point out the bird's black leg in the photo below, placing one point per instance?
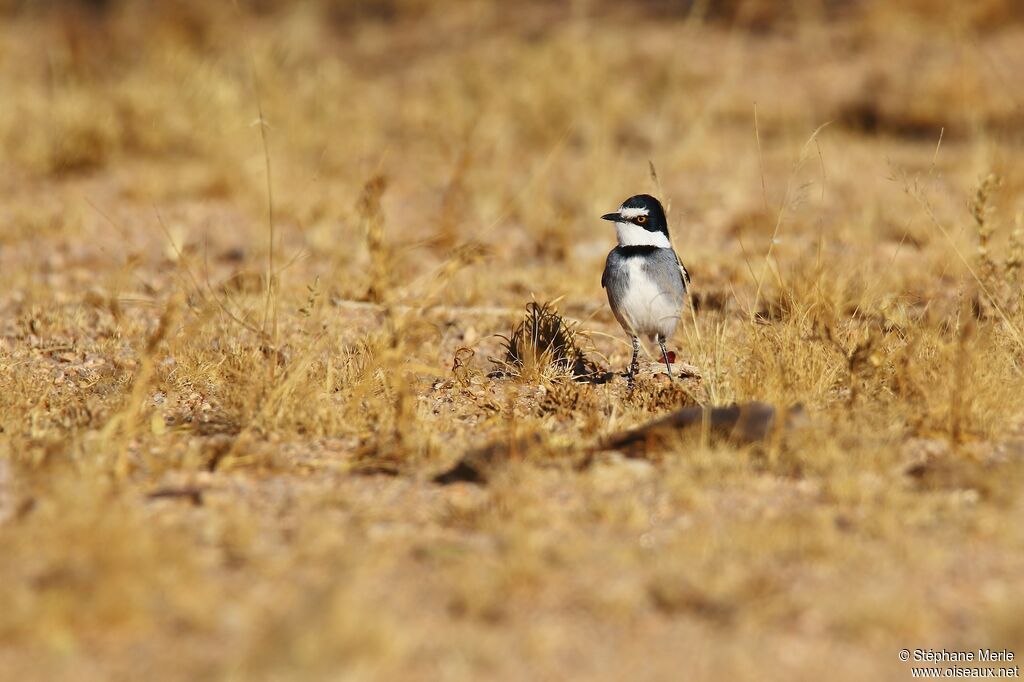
(664, 356)
(634, 365)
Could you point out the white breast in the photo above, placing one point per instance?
(645, 309)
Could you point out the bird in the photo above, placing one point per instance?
(645, 279)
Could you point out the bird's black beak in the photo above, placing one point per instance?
(611, 216)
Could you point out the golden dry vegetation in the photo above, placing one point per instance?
(209, 473)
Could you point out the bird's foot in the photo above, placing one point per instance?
(665, 355)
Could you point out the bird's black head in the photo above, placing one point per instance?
(641, 210)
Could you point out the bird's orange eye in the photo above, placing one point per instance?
(641, 219)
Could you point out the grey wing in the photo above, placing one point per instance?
(610, 264)
(684, 272)
(668, 273)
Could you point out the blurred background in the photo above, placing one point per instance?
(530, 116)
(191, 491)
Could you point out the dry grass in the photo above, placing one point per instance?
(220, 416)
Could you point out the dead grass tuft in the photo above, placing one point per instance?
(544, 345)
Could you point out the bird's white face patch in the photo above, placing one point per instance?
(630, 234)
(630, 213)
